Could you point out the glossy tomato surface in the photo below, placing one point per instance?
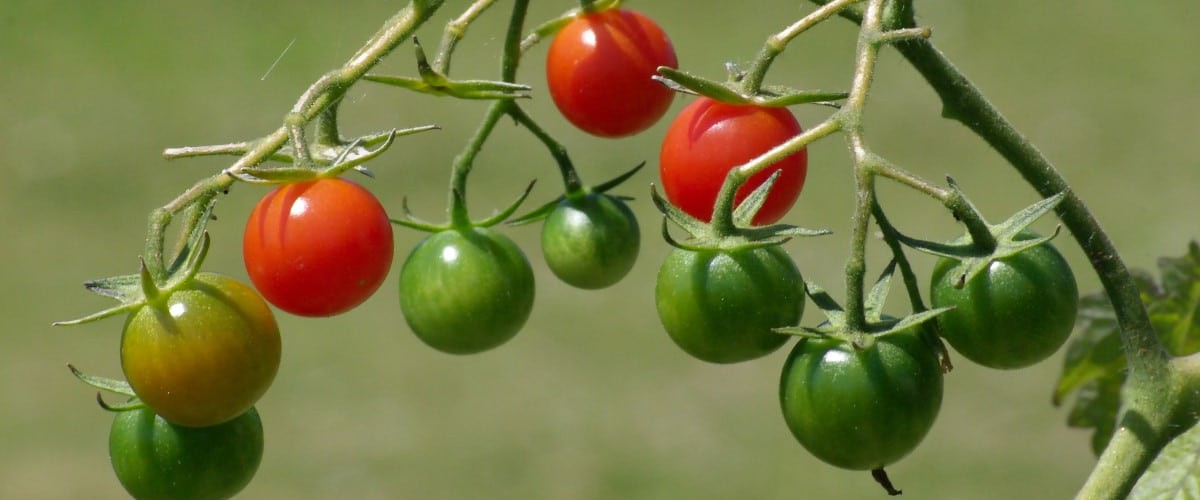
(865, 408)
(157, 460)
(318, 248)
(709, 138)
(1017, 312)
(466, 291)
(600, 68)
(202, 354)
(592, 241)
(721, 306)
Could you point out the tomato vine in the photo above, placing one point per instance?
(467, 288)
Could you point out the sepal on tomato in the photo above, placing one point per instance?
(435, 83)
(743, 235)
(543, 211)
(731, 92)
(987, 242)
(135, 290)
(878, 324)
(110, 385)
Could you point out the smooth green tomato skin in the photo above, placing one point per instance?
(466, 291)
(861, 409)
(720, 307)
(155, 459)
(1017, 312)
(591, 242)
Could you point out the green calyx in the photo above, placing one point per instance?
(577, 192)
(986, 243)
(733, 92)
(737, 235)
(878, 324)
(435, 83)
(458, 211)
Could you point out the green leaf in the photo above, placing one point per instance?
(1094, 366)
(1176, 316)
(1095, 350)
(1175, 473)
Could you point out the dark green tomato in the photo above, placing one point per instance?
(721, 306)
(466, 291)
(1017, 312)
(203, 353)
(591, 242)
(861, 409)
(155, 459)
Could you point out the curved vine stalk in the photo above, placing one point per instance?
(1156, 404)
(325, 93)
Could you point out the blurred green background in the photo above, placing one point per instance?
(591, 400)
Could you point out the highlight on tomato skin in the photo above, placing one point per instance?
(318, 248)
(600, 70)
(709, 138)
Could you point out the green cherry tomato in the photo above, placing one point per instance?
(466, 291)
(1017, 312)
(721, 306)
(155, 459)
(591, 242)
(861, 409)
(202, 354)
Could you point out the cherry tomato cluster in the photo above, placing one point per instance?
(199, 353)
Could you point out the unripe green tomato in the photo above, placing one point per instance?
(466, 291)
(592, 241)
(721, 306)
(155, 459)
(1017, 312)
(861, 409)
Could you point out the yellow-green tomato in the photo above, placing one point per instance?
(202, 354)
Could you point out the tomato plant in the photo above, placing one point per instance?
(599, 71)
(464, 291)
(1015, 313)
(864, 406)
(155, 459)
(720, 306)
(709, 138)
(318, 248)
(591, 241)
(203, 353)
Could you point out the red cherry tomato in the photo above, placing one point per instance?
(318, 248)
(709, 138)
(600, 69)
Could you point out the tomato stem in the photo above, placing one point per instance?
(573, 186)
(454, 31)
(315, 101)
(777, 43)
(1151, 394)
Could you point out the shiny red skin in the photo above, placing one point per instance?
(599, 70)
(709, 138)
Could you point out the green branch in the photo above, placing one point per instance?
(1153, 387)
